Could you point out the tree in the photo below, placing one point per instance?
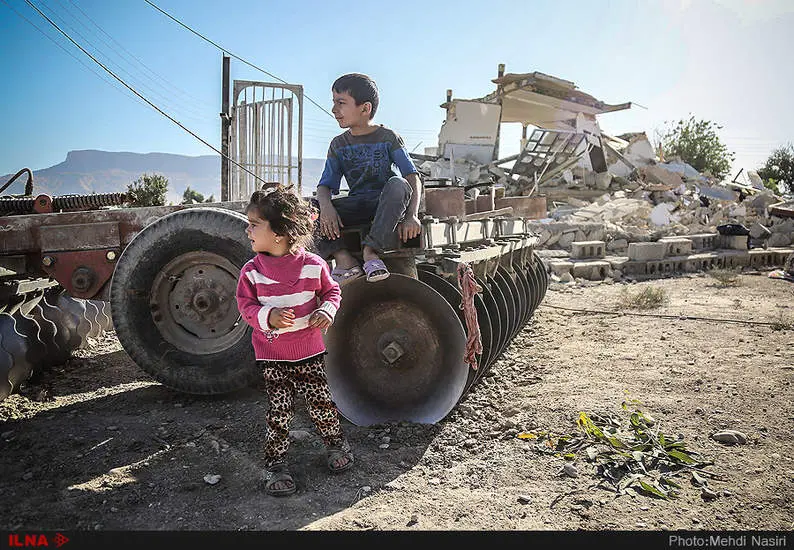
(191, 196)
(148, 190)
(697, 143)
(778, 171)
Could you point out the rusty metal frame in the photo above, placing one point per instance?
(263, 138)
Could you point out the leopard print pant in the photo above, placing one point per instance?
(283, 380)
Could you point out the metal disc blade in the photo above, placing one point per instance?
(526, 297)
(512, 305)
(491, 307)
(454, 298)
(395, 353)
(501, 314)
(534, 283)
(518, 296)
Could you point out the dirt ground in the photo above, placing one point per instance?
(97, 445)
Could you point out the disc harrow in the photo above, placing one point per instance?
(423, 374)
(407, 348)
(42, 329)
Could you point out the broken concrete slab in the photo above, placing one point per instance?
(642, 252)
(676, 246)
(592, 270)
(588, 249)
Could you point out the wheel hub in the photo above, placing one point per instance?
(193, 302)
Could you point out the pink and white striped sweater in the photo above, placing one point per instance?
(300, 281)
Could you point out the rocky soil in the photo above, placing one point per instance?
(97, 445)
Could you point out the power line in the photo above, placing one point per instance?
(163, 100)
(138, 60)
(228, 52)
(70, 54)
(130, 88)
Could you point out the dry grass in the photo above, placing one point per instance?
(649, 297)
(782, 323)
(726, 277)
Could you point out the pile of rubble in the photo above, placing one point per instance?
(584, 190)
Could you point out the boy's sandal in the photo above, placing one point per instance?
(336, 455)
(375, 270)
(282, 477)
(342, 276)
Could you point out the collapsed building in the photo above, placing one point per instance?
(604, 206)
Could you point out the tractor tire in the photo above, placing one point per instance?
(173, 301)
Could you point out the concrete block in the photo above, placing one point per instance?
(779, 239)
(618, 245)
(763, 258)
(758, 231)
(592, 270)
(588, 249)
(566, 239)
(735, 242)
(559, 267)
(676, 246)
(704, 241)
(646, 251)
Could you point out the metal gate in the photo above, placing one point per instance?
(266, 136)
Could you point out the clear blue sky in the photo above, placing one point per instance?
(728, 61)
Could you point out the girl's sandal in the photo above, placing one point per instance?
(280, 482)
(336, 455)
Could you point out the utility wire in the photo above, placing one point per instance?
(133, 56)
(86, 41)
(662, 316)
(130, 88)
(228, 52)
(70, 54)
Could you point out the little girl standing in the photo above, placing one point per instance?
(289, 298)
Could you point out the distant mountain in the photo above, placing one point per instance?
(90, 171)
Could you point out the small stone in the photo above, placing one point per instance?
(731, 437)
(413, 521)
(708, 494)
(386, 439)
(212, 479)
(383, 446)
(570, 470)
(27, 476)
(524, 499)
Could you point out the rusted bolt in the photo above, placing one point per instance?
(48, 261)
(392, 352)
(110, 255)
(83, 278)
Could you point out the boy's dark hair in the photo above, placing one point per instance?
(289, 215)
(361, 87)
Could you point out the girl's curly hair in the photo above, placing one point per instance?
(289, 214)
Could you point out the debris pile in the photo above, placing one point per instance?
(587, 185)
